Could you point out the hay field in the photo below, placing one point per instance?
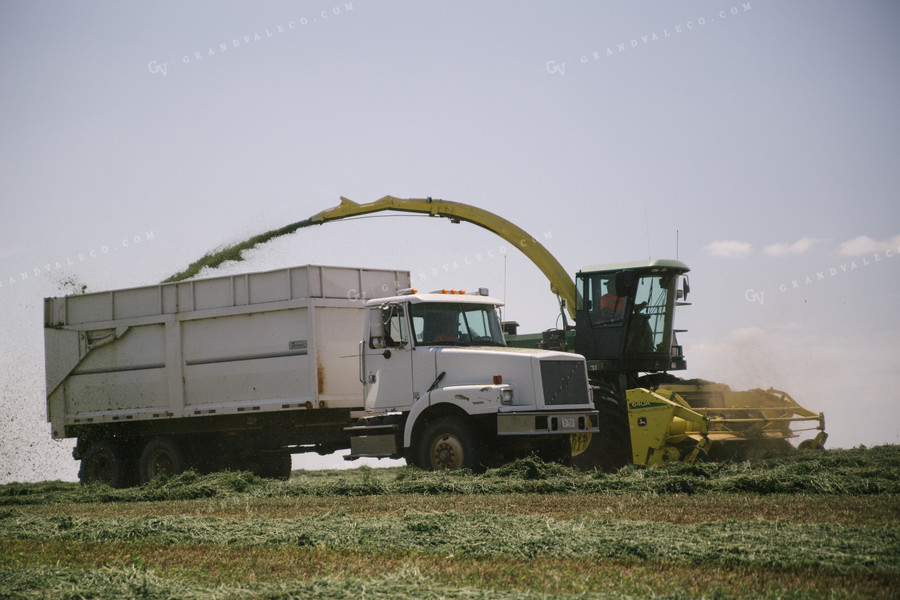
(800, 525)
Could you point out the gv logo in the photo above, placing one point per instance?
(154, 68)
(753, 296)
(553, 67)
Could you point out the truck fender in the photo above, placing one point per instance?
(419, 407)
(469, 399)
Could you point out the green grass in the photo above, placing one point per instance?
(801, 525)
(856, 472)
(839, 549)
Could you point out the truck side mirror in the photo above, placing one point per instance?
(377, 331)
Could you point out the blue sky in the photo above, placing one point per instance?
(762, 136)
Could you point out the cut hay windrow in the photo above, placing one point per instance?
(855, 472)
(526, 530)
(785, 546)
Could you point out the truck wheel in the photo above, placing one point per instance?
(448, 443)
(610, 449)
(559, 451)
(104, 463)
(161, 456)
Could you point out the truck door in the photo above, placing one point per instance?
(387, 364)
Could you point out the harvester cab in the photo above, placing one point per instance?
(624, 316)
(624, 327)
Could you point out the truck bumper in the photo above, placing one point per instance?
(543, 423)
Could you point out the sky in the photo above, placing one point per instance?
(756, 141)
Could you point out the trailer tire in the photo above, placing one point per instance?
(281, 466)
(106, 463)
(161, 456)
(609, 449)
(448, 443)
(269, 465)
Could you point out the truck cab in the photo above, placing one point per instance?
(440, 383)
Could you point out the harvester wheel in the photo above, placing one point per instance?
(610, 449)
(687, 448)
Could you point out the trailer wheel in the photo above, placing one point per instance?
(104, 463)
(448, 443)
(161, 456)
(282, 465)
(270, 465)
(610, 449)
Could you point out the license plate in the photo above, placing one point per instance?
(568, 422)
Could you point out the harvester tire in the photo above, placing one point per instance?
(686, 448)
(609, 449)
(810, 445)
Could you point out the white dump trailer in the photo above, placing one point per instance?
(241, 371)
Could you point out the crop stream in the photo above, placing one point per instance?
(235, 252)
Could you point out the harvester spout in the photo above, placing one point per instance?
(561, 284)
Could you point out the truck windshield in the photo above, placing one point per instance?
(451, 324)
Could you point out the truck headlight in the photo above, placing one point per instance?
(506, 396)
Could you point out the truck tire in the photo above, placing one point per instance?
(609, 449)
(448, 443)
(559, 450)
(161, 456)
(104, 462)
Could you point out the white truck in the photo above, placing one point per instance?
(241, 371)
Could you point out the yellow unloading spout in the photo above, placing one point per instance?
(561, 283)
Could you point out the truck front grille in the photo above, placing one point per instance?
(565, 382)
